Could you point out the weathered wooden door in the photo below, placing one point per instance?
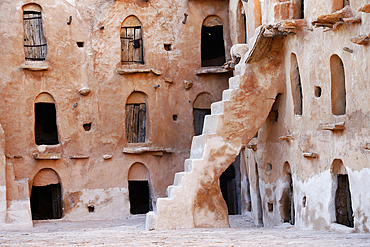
(34, 41)
(199, 115)
(132, 44)
(343, 204)
(135, 122)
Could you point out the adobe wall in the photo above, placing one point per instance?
(94, 180)
(293, 135)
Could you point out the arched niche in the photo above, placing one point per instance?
(46, 130)
(139, 189)
(201, 108)
(287, 209)
(132, 50)
(136, 115)
(46, 195)
(296, 85)
(342, 194)
(338, 85)
(35, 46)
(212, 42)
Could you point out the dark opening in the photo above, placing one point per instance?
(228, 189)
(270, 207)
(139, 197)
(87, 126)
(301, 14)
(91, 209)
(213, 50)
(288, 203)
(199, 115)
(343, 203)
(259, 200)
(245, 28)
(46, 202)
(174, 117)
(46, 131)
(168, 47)
(274, 113)
(346, 2)
(317, 91)
(304, 201)
(80, 44)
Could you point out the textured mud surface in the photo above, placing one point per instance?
(130, 232)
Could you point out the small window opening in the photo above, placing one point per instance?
(304, 201)
(274, 113)
(168, 47)
(46, 131)
(131, 41)
(80, 44)
(87, 126)
(296, 86)
(46, 202)
(174, 117)
(268, 167)
(230, 187)
(343, 204)
(270, 207)
(317, 91)
(91, 209)
(338, 86)
(298, 6)
(346, 2)
(212, 42)
(35, 46)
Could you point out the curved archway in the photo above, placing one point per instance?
(136, 117)
(338, 85)
(139, 189)
(46, 195)
(342, 194)
(230, 187)
(287, 210)
(46, 130)
(212, 42)
(296, 85)
(132, 41)
(201, 108)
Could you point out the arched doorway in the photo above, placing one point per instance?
(46, 196)
(287, 199)
(230, 187)
(46, 130)
(212, 45)
(201, 108)
(139, 189)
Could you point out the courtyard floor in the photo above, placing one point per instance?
(130, 232)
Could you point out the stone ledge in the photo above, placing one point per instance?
(54, 156)
(211, 70)
(35, 65)
(79, 156)
(134, 71)
(156, 151)
(335, 126)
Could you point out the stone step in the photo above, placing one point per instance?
(226, 94)
(234, 82)
(178, 178)
(217, 108)
(171, 190)
(188, 165)
(210, 124)
(197, 147)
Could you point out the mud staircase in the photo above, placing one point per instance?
(195, 199)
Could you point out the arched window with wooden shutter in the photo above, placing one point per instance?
(35, 46)
(131, 41)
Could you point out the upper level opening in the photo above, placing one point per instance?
(46, 130)
(296, 86)
(338, 86)
(35, 45)
(212, 42)
(131, 41)
(136, 117)
(201, 108)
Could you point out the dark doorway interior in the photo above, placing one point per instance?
(288, 212)
(46, 131)
(228, 189)
(343, 205)
(213, 49)
(199, 115)
(46, 202)
(139, 194)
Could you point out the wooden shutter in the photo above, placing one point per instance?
(34, 41)
(135, 122)
(131, 45)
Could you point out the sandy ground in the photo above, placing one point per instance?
(130, 232)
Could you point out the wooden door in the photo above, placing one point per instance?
(34, 41)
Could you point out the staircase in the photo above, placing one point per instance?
(195, 199)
